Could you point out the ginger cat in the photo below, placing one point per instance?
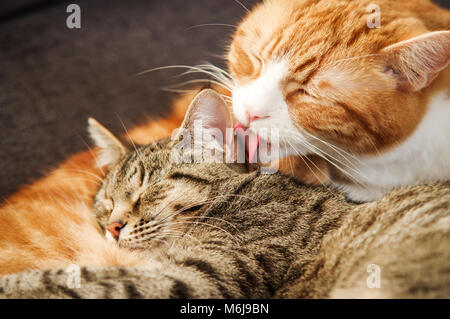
(370, 104)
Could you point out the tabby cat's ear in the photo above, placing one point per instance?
(208, 110)
(111, 148)
(418, 61)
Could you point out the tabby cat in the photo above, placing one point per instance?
(369, 101)
(218, 230)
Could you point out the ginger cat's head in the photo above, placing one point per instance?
(320, 69)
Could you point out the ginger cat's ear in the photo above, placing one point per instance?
(418, 61)
(111, 148)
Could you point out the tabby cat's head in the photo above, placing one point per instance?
(149, 196)
(326, 69)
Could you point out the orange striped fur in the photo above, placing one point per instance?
(339, 80)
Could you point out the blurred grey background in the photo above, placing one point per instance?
(53, 78)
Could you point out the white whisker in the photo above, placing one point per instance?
(206, 224)
(82, 172)
(210, 24)
(335, 148)
(309, 167)
(129, 137)
(214, 218)
(175, 86)
(242, 5)
(93, 155)
(326, 156)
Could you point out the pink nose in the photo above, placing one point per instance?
(114, 229)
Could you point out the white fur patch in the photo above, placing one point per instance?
(423, 157)
(264, 98)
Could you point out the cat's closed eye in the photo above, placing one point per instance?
(293, 88)
(389, 70)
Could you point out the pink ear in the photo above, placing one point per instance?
(419, 60)
(210, 111)
(209, 107)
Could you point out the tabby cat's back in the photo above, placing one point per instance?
(404, 236)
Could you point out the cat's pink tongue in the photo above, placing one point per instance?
(253, 141)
